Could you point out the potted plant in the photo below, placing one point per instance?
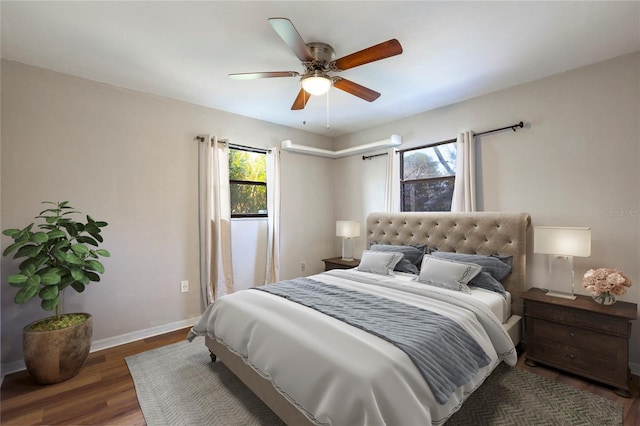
(60, 253)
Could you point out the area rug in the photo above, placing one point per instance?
(179, 385)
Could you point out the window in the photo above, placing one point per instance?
(426, 178)
(248, 182)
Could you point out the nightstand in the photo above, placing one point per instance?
(580, 337)
(338, 263)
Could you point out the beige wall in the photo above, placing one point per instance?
(129, 158)
(576, 163)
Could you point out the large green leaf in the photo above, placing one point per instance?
(77, 273)
(94, 265)
(11, 232)
(72, 228)
(26, 293)
(49, 292)
(17, 280)
(34, 280)
(56, 233)
(86, 239)
(92, 276)
(72, 259)
(65, 282)
(49, 304)
(29, 251)
(15, 246)
(77, 286)
(61, 245)
(50, 278)
(39, 237)
(29, 270)
(80, 249)
(103, 253)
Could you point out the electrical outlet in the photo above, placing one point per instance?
(303, 266)
(184, 286)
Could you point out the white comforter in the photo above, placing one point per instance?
(338, 374)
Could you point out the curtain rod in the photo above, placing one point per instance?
(513, 127)
(236, 146)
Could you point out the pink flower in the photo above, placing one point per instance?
(605, 280)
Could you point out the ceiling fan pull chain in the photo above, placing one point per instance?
(328, 127)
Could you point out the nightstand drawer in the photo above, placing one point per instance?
(578, 317)
(338, 263)
(606, 367)
(606, 344)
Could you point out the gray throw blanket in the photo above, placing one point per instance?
(444, 353)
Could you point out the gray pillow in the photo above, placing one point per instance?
(379, 262)
(412, 256)
(449, 274)
(497, 267)
(486, 281)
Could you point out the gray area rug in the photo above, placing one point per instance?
(178, 385)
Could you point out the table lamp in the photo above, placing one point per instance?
(562, 244)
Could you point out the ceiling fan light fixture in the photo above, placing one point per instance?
(316, 83)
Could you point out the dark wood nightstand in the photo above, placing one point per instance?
(580, 336)
(338, 263)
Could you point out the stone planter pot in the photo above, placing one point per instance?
(57, 355)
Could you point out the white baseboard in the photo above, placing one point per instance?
(635, 368)
(109, 342)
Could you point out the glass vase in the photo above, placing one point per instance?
(606, 298)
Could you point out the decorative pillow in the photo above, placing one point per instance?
(497, 266)
(448, 274)
(378, 262)
(486, 281)
(412, 256)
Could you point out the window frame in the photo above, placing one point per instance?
(249, 182)
(405, 182)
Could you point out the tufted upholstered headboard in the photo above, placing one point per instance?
(475, 233)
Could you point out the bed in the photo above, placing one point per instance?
(312, 368)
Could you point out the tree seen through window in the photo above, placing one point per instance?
(248, 183)
(427, 177)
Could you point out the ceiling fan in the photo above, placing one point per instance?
(318, 61)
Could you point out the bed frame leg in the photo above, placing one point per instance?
(213, 356)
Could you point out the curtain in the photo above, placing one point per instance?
(392, 183)
(272, 273)
(464, 187)
(216, 274)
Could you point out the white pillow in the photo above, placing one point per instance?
(379, 262)
(447, 273)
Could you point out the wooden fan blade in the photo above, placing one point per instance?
(301, 100)
(374, 53)
(270, 74)
(355, 89)
(292, 38)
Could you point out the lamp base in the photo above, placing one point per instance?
(350, 259)
(561, 294)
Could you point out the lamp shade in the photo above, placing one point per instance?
(316, 84)
(347, 228)
(562, 241)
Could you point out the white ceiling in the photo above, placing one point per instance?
(185, 50)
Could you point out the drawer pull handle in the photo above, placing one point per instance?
(572, 356)
(572, 334)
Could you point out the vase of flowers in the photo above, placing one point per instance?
(604, 284)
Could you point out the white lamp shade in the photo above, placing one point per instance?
(347, 228)
(562, 241)
(316, 84)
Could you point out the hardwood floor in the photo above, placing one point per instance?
(103, 392)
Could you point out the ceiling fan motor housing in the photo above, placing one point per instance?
(323, 54)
